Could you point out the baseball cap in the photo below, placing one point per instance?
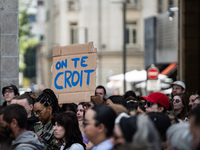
(11, 87)
(180, 83)
(157, 97)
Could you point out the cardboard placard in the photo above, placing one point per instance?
(74, 72)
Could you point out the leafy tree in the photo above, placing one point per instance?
(27, 47)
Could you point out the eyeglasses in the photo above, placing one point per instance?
(176, 88)
(9, 91)
(176, 100)
(148, 104)
(39, 112)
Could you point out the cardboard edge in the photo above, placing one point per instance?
(76, 97)
(56, 50)
(75, 49)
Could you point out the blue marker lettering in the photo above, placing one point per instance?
(76, 82)
(88, 75)
(64, 63)
(75, 61)
(81, 78)
(67, 78)
(55, 81)
(82, 61)
(57, 65)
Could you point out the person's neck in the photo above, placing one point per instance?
(19, 132)
(177, 111)
(99, 139)
(29, 115)
(8, 102)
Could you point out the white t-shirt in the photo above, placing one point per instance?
(75, 146)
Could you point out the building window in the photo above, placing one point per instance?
(170, 3)
(160, 6)
(31, 17)
(73, 5)
(133, 4)
(74, 33)
(131, 33)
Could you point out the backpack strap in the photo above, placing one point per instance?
(26, 145)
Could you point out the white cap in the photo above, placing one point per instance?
(180, 83)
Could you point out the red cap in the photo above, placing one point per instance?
(157, 97)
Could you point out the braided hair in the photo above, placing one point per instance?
(48, 98)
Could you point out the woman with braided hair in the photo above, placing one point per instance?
(46, 106)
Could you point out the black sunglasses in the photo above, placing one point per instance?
(176, 100)
(148, 104)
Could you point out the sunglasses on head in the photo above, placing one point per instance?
(148, 104)
(176, 100)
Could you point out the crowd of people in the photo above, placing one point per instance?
(117, 122)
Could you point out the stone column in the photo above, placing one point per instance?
(9, 47)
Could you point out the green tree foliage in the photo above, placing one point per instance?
(27, 47)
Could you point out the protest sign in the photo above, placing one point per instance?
(74, 72)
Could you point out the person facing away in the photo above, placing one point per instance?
(9, 92)
(116, 99)
(27, 100)
(179, 137)
(194, 121)
(98, 126)
(15, 116)
(66, 129)
(46, 106)
(138, 131)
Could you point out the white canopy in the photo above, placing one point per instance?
(134, 76)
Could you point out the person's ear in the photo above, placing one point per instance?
(31, 107)
(49, 108)
(160, 109)
(101, 127)
(183, 91)
(14, 123)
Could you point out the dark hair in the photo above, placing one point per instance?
(101, 87)
(129, 94)
(105, 115)
(83, 104)
(68, 107)
(195, 93)
(184, 99)
(132, 103)
(164, 109)
(161, 122)
(128, 127)
(195, 112)
(48, 98)
(18, 112)
(141, 104)
(12, 87)
(73, 134)
(5, 138)
(117, 99)
(30, 96)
